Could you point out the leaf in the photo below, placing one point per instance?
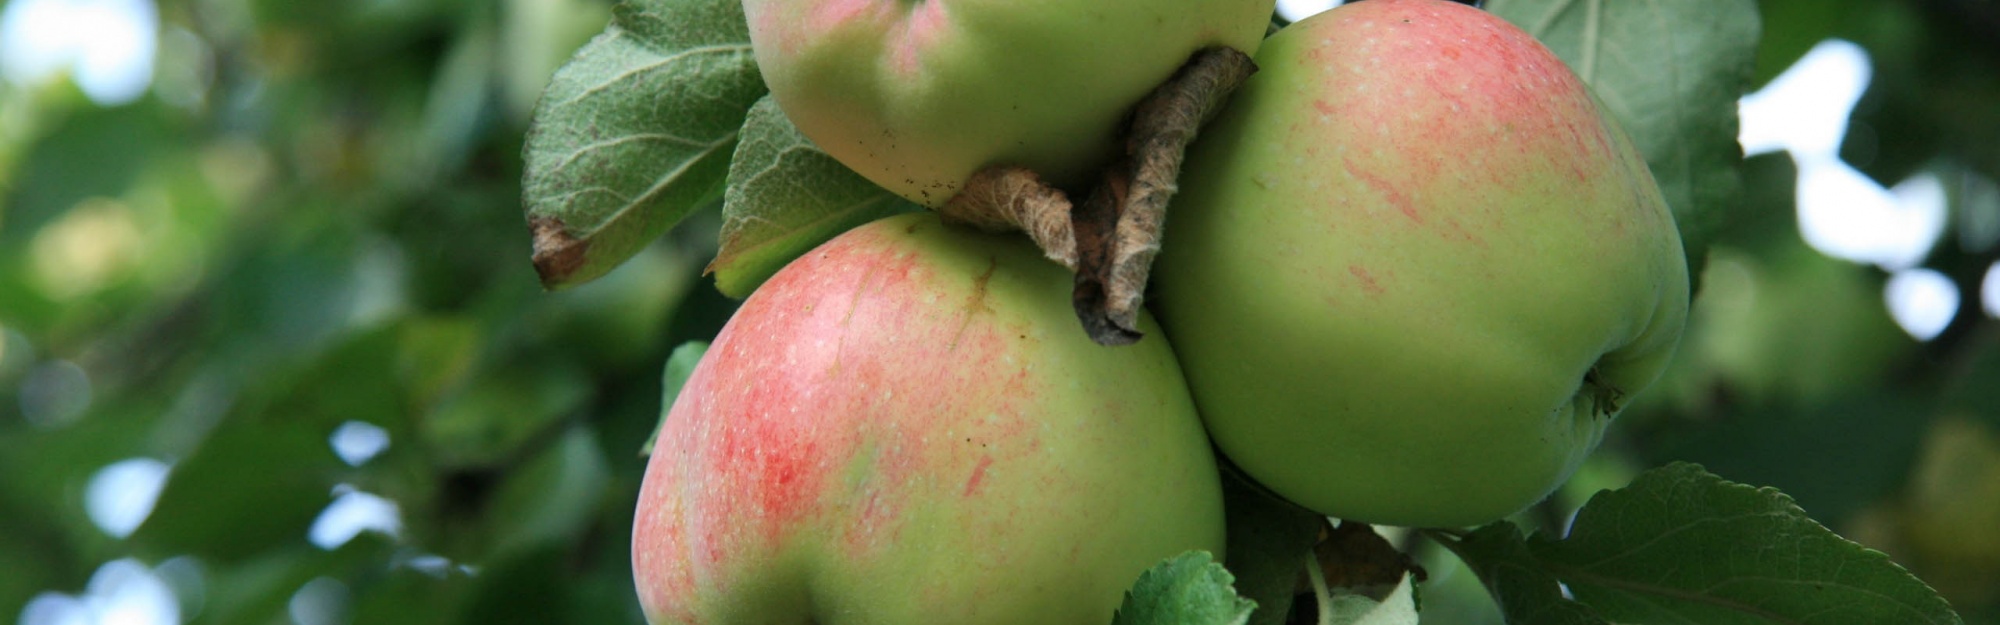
(1270, 541)
(251, 488)
(453, 109)
(1680, 545)
(1525, 590)
(501, 414)
(786, 197)
(1358, 577)
(1399, 608)
(1670, 72)
(1188, 589)
(552, 499)
(1354, 559)
(680, 365)
(635, 132)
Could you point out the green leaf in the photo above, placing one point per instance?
(680, 365)
(1525, 590)
(258, 591)
(1680, 545)
(1188, 589)
(251, 488)
(434, 354)
(1270, 542)
(1671, 73)
(635, 132)
(453, 109)
(404, 595)
(786, 197)
(553, 498)
(502, 414)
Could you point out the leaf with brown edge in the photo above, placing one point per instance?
(1356, 559)
(634, 133)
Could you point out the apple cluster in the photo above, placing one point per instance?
(1413, 272)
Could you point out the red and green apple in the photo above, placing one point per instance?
(1415, 269)
(906, 426)
(916, 95)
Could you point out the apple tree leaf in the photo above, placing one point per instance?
(1188, 589)
(635, 132)
(503, 413)
(1670, 72)
(1680, 545)
(1358, 577)
(551, 498)
(1398, 608)
(785, 197)
(680, 365)
(1270, 541)
(1522, 586)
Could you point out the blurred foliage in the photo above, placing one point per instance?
(315, 217)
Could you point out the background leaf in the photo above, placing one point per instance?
(680, 365)
(1523, 587)
(1399, 608)
(635, 132)
(1270, 542)
(786, 197)
(1681, 545)
(1670, 72)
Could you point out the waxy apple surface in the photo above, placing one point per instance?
(1414, 270)
(906, 426)
(916, 95)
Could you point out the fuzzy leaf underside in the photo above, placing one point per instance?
(785, 197)
(1399, 608)
(1189, 589)
(635, 132)
(1670, 73)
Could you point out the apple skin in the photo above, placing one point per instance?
(1397, 259)
(916, 95)
(906, 426)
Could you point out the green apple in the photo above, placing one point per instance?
(906, 426)
(916, 95)
(1414, 270)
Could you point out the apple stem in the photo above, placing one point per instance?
(1606, 398)
(1110, 240)
(1007, 198)
(1127, 212)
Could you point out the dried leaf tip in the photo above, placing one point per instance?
(557, 255)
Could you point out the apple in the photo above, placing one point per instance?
(906, 426)
(916, 95)
(1414, 269)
